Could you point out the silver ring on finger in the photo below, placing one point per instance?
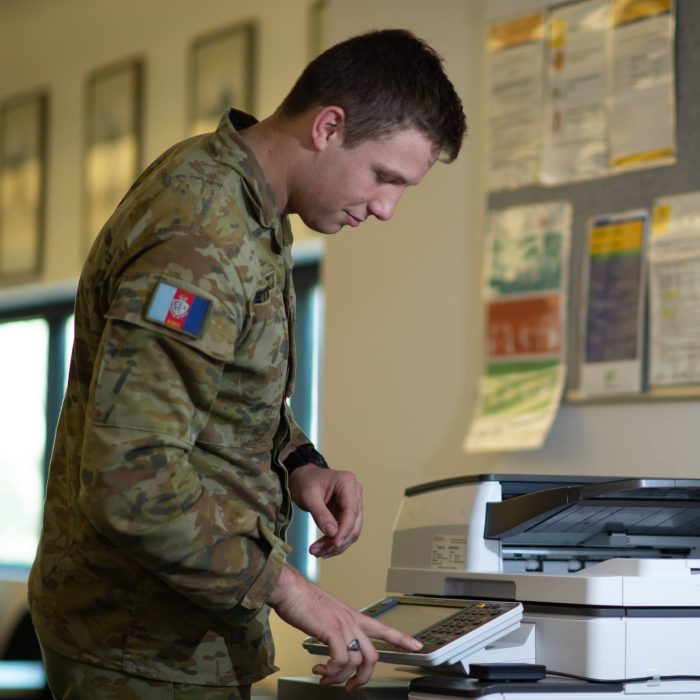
(354, 645)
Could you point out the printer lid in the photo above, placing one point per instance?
(551, 510)
(571, 515)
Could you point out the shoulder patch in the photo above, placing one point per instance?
(178, 309)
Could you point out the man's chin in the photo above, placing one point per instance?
(328, 228)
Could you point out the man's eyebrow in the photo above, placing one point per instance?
(393, 176)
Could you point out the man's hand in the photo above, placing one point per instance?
(334, 499)
(310, 609)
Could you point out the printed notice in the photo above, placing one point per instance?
(643, 112)
(517, 406)
(527, 326)
(525, 312)
(614, 305)
(674, 291)
(449, 552)
(575, 141)
(516, 60)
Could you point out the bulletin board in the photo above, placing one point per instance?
(628, 191)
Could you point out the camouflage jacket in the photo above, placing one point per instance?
(166, 503)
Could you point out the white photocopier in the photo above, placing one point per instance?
(553, 587)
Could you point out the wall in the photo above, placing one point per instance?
(55, 44)
(399, 349)
(402, 345)
(403, 331)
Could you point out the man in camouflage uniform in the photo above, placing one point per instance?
(176, 457)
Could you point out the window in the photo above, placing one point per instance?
(305, 402)
(36, 337)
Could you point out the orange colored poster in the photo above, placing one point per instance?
(526, 326)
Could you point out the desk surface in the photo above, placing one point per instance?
(307, 688)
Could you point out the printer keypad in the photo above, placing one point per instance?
(463, 622)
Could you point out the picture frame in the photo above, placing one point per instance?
(318, 27)
(222, 75)
(114, 139)
(23, 148)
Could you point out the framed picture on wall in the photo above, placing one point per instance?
(114, 117)
(318, 21)
(23, 132)
(222, 75)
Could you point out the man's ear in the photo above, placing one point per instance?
(328, 125)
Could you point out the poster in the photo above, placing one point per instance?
(526, 273)
(516, 60)
(613, 305)
(576, 120)
(518, 403)
(674, 291)
(643, 111)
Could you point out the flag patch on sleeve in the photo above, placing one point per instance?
(178, 309)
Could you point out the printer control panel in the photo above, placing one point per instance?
(481, 617)
(450, 629)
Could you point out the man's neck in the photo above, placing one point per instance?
(276, 145)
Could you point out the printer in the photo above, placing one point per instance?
(605, 571)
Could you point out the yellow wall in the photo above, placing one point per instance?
(55, 44)
(399, 349)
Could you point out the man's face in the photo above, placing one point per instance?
(344, 186)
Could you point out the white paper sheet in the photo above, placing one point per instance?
(576, 122)
(516, 52)
(643, 114)
(674, 291)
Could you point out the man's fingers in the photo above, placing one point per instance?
(347, 531)
(348, 504)
(355, 667)
(325, 521)
(326, 547)
(364, 670)
(342, 662)
(321, 547)
(375, 629)
(310, 609)
(334, 500)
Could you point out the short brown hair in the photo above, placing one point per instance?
(384, 81)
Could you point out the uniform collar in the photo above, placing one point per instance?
(231, 149)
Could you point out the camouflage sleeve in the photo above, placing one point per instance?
(150, 396)
(297, 435)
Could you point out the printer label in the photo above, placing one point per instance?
(449, 552)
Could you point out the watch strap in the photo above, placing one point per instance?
(304, 454)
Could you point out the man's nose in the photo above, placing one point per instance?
(382, 206)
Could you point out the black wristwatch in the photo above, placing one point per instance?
(304, 454)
